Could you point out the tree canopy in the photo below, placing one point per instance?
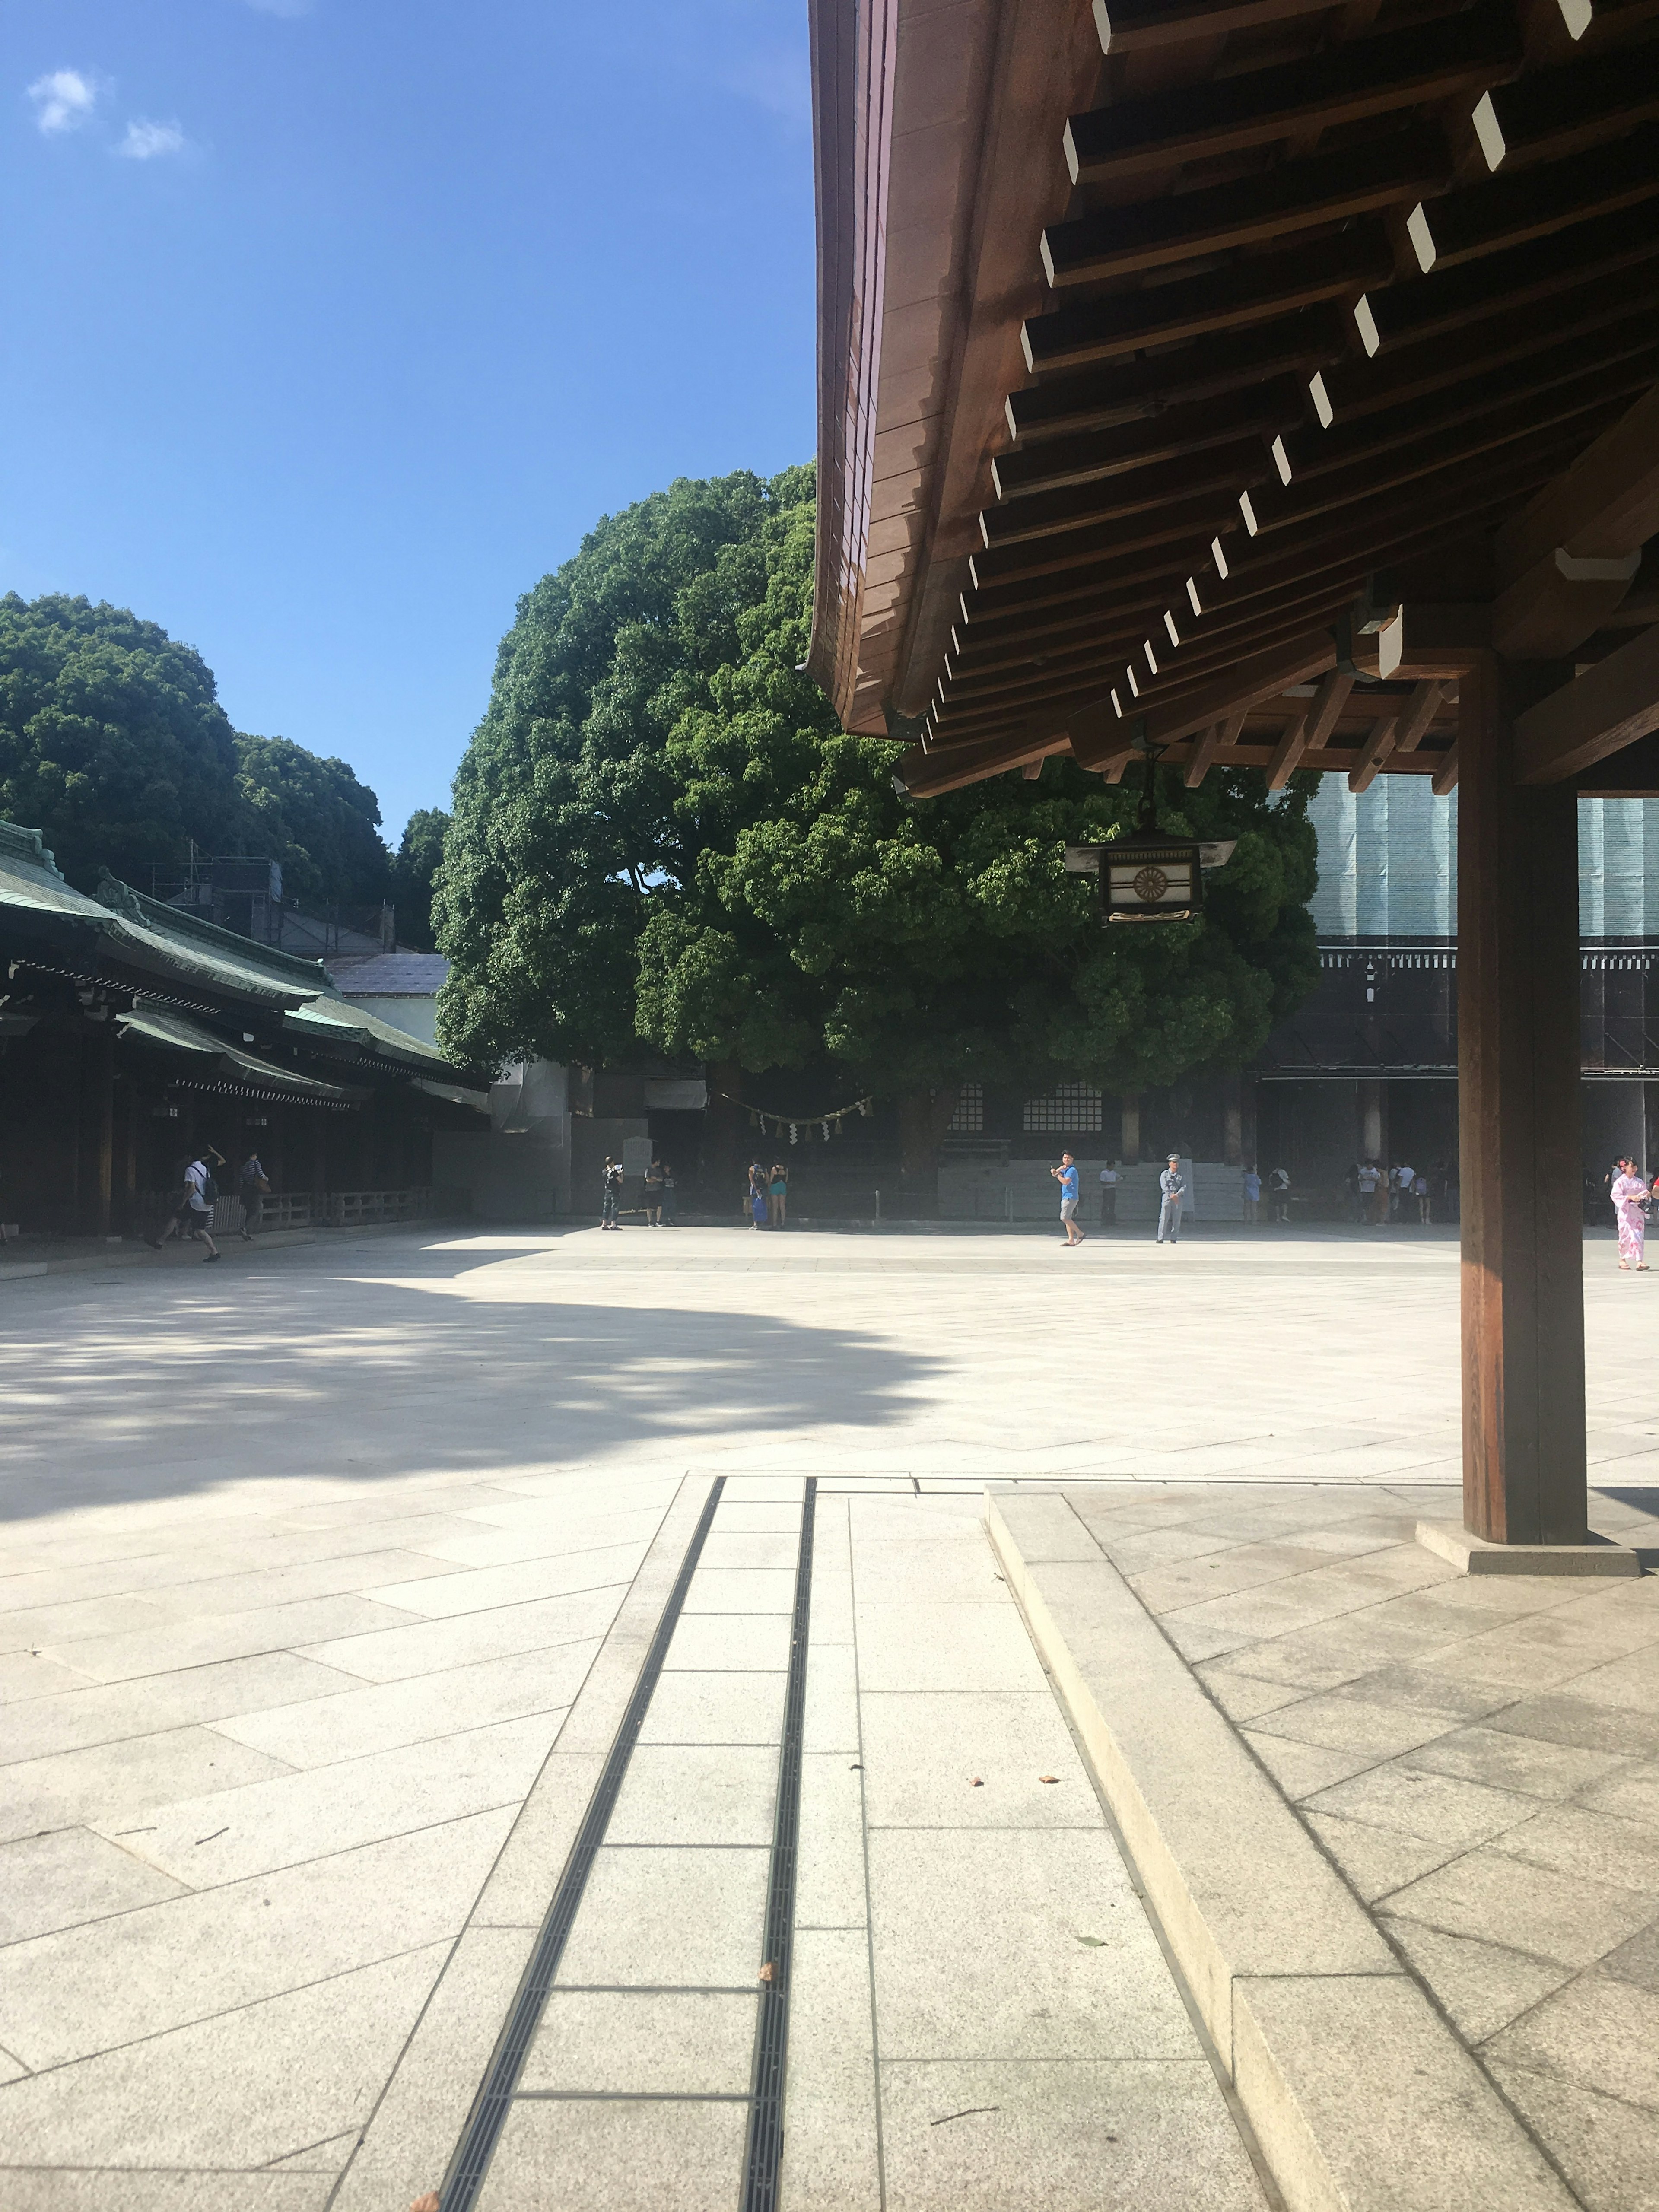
(413, 870)
(112, 742)
(314, 816)
(661, 837)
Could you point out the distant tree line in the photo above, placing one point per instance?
(114, 744)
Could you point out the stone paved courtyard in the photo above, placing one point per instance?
(325, 1576)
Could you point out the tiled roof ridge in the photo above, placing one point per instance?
(30, 846)
(172, 922)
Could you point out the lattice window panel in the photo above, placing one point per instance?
(1070, 1110)
(969, 1119)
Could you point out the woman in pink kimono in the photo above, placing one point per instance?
(1629, 1195)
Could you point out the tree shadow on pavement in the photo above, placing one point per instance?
(283, 1373)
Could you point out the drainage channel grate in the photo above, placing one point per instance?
(490, 2110)
(764, 2151)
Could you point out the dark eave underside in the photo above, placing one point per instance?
(1339, 286)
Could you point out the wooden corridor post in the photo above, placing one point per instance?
(1524, 1468)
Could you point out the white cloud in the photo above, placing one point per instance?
(144, 140)
(64, 101)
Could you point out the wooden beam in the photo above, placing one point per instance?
(1226, 470)
(1139, 26)
(1258, 290)
(1205, 749)
(1558, 604)
(1373, 754)
(1328, 701)
(1419, 712)
(1484, 346)
(1508, 210)
(1445, 776)
(1598, 714)
(1521, 385)
(1261, 676)
(1260, 409)
(1406, 314)
(1460, 454)
(1605, 505)
(1408, 166)
(1108, 394)
(1185, 522)
(1554, 112)
(1363, 78)
(1287, 753)
(928, 775)
(1432, 644)
(1521, 1169)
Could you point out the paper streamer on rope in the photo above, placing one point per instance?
(760, 1119)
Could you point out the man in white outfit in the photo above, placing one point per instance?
(1173, 1191)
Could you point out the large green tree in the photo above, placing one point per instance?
(314, 816)
(414, 871)
(112, 741)
(661, 833)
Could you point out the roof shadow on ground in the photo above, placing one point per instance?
(184, 1384)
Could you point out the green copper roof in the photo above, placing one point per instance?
(177, 1033)
(332, 1020)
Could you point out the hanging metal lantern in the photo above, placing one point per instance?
(1145, 875)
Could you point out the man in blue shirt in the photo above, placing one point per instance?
(1065, 1176)
(1174, 1191)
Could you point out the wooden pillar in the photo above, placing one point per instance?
(1373, 1143)
(1232, 1121)
(1131, 1137)
(103, 1057)
(1517, 1009)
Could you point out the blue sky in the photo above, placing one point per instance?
(332, 325)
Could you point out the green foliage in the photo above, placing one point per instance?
(661, 833)
(314, 816)
(112, 742)
(413, 870)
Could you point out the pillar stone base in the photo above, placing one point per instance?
(1473, 1555)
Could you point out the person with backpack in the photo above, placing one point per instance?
(194, 1208)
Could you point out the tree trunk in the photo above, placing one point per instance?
(725, 1135)
(924, 1116)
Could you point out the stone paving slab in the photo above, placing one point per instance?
(1503, 1845)
(304, 1562)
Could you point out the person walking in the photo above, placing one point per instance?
(1630, 1195)
(192, 1219)
(777, 1194)
(1370, 1182)
(1278, 1190)
(1065, 1176)
(1172, 1192)
(668, 1220)
(756, 1199)
(1109, 1195)
(653, 1195)
(611, 1195)
(1252, 1195)
(1421, 1193)
(254, 1189)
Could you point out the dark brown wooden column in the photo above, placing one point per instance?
(103, 1062)
(1517, 1013)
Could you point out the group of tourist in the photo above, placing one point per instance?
(766, 1201)
(1379, 1194)
(189, 1217)
(658, 1195)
